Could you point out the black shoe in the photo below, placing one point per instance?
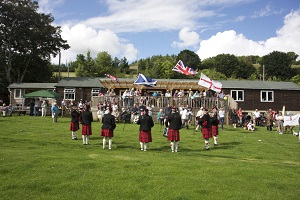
(215, 144)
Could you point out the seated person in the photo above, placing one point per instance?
(250, 126)
(125, 115)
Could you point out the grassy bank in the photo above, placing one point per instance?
(40, 161)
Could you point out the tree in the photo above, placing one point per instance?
(190, 59)
(226, 64)
(277, 66)
(124, 66)
(103, 63)
(213, 74)
(86, 65)
(293, 56)
(27, 37)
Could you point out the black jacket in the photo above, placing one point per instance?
(205, 121)
(174, 121)
(215, 120)
(109, 122)
(74, 116)
(145, 122)
(86, 118)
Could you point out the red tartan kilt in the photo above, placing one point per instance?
(74, 126)
(86, 130)
(173, 135)
(107, 133)
(206, 133)
(214, 130)
(145, 136)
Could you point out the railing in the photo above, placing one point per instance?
(161, 102)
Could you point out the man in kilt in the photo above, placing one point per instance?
(146, 123)
(174, 123)
(74, 125)
(86, 120)
(215, 125)
(108, 126)
(205, 123)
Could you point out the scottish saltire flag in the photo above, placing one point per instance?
(210, 84)
(181, 68)
(112, 77)
(144, 80)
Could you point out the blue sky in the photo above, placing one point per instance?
(143, 28)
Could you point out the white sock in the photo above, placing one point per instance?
(142, 146)
(104, 142)
(145, 146)
(206, 143)
(83, 139)
(176, 146)
(172, 146)
(109, 143)
(73, 134)
(87, 139)
(215, 140)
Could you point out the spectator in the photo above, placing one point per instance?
(257, 117)
(160, 117)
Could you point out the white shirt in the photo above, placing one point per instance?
(256, 114)
(221, 113)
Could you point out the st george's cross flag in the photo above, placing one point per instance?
(210, 84)
(145, 80)
(112, 77)
(181, 68)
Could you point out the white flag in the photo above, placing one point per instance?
(205, 81)
(216, 86)
(210, 84)
(291, 120)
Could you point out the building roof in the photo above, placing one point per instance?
(79, 82)
(193, 84)
(32, 85)
(261, 85)
(161, 84)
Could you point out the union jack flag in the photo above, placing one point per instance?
(180, 68)
(112, 77)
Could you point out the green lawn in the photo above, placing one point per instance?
(39, 160)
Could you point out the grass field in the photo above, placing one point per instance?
(40, 161)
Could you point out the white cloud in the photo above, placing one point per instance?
(266, 11)
(99, 33)
(82, 39)
(287, 39)
(187, 38)
(158, 15)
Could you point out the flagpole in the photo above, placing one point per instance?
(137, 62)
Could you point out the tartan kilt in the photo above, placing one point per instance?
(215, 130)
(86, 130)
(145, 136)
(173, 135)
(74, 126)
(107, 133)
(206, 133)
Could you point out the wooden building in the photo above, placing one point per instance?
(246, 94)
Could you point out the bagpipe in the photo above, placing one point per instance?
(165, 132)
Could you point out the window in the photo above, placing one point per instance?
(237, 95)
(95, 91)
(266, 96)
(18, 94)
(69, 94)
